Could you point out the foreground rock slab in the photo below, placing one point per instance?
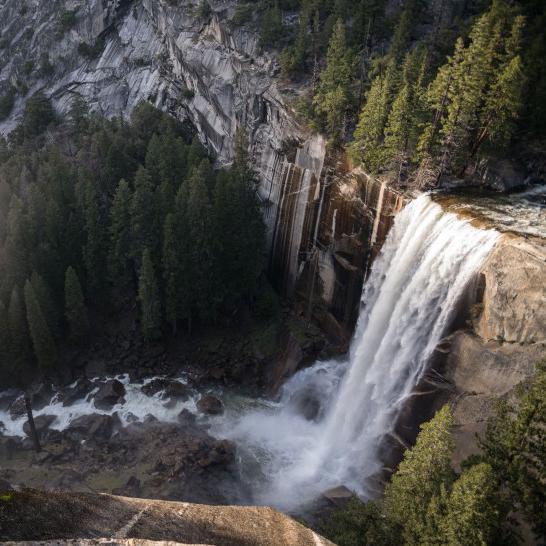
(33, 515)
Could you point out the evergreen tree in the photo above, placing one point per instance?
(271, 25)
(333, 96)
(148, 296)
(143, 215)
(473, 514)
(366, 147)
(94, 248)
(240, 254)
(19, 347)
(47, 304)
(5, 360)
(120, 237)
(202, 250)
(426, 467)
(172, 263)
(515, 447)
(42, 340)
(75, 308)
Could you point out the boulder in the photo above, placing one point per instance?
(77, 392)
(94, 426)
(339, 496)
(42, 396)
(186, 418)
(109, 394)
(210, 405)
(17, 408)
(172, 389)
(5, 486)
(41, 422)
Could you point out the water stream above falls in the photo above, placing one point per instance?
(329, 423)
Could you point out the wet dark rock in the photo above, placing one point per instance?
(5, 486)
(186, 418)
(339, 496)
(309, 406)
(95, 426)
(79, 391)
(109, 394)
(149, 419)
(210, 405)
(42, 396)
(17, 408)
(41, 422)
(172, 389)
(7, 398)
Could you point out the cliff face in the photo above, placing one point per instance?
(322, 223)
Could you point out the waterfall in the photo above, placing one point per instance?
(332, 418)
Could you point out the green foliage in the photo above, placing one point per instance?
(67, 19)
(42, 340)
(119, 265)
(75, 308)
(333, 96)
(91, 51)
(424, 471)
(19, 346)
(38, 115)
(244, 13)
(271, 28)
(204, 10)
(473, 513)
(515, 447)
(95, 206)
(359, 524)
(148, 296)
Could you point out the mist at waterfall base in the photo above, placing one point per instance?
(408, 301)
(329, 423)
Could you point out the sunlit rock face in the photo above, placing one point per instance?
(321, 222)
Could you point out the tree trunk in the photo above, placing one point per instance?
(33, 433)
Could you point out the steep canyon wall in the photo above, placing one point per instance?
(323, 223)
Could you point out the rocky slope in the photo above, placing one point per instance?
(322, 223)
(32, 515)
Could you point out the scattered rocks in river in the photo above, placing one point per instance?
(76, 392)
(42, 396)
(109, 394)
(210, 405)
(172, 389)
(95, 425)
(41, 422)
(17, 408)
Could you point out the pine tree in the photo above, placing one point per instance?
(94, 249)
(75, 308)
(119, 267)
(426, 467)
(366, 147)
(271, 25)
(19, 346)
(202, 250)
(514, 445)
(172, 262)
(42, 340)
(473, 513)
(333, 96)
(240, 231)
(144, 228)
(148, 296)
(5, 360)
(47, 304)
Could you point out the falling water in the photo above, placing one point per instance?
(426, 263)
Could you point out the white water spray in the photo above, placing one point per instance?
(426, 263)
